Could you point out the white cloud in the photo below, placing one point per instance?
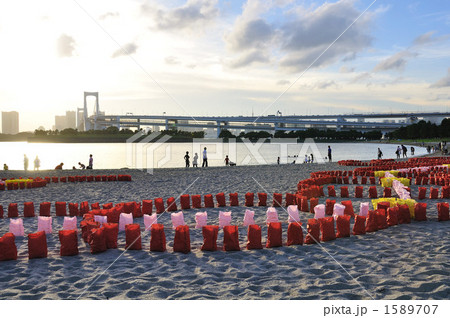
(424, 38)
(325, 84)
(171, 60)
(65, 45)
(250, 34)
(443, 82)
(109, 15)
(127, 49)
(249, 58)
(304, 36)
(311, 32)
(193, 13)
(283, 82)
(361, 78)
(345, 69)
(395, 62)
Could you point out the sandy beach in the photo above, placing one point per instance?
(409, 261)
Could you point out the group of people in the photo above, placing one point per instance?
(82, 166)
(37, 164)
(402, 150)
(187, 158)
(441, 146)
(310, 158)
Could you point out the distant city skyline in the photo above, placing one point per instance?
(203, 58)
(10, 123)
(69, 120)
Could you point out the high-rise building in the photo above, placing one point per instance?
(71, 119)
(67, 121)
(80, 119)
(60, 122)
(10, 123)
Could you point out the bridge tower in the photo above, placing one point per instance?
(88, 125)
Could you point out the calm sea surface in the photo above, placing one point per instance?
(170, 155)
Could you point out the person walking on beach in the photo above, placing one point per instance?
(412, 151)
(91, 163)
(227, 161)
(278, 160)
(329, 153)
(380, 154)
(405, 150)
(186, 158)
(37, 163)
(25, 162)
(398, 152)
(312, 158)
(195, 161)
(205, 158)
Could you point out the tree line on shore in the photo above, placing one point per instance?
(422, 130)
(328, 134)
(114, 131)
(314, 133)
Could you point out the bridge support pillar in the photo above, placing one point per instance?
(87, 124)
(218, 129)
(276, 127)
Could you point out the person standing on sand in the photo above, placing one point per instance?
(405, 150)
(380, 154)
(278, 160)
(205, 158)
(227, 161)
(195, 161)
(37, 163)
(186, 158)
(312, 158)
(91, 163)
(25, 162)
(398, 152)
(329, 153)
(412, 151)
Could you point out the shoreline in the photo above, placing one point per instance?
(314, 165)
(400, 262)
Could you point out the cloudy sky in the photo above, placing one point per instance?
(201, 57)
